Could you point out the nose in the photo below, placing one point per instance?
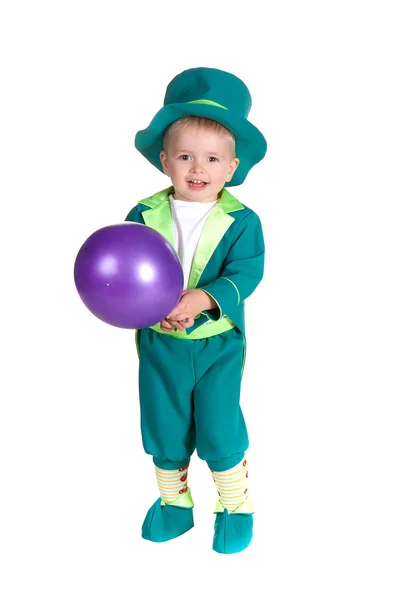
(197, 167)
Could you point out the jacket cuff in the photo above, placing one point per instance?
(225, 294)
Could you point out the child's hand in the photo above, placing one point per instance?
(165, 326)
(168, 326)
(192, 302)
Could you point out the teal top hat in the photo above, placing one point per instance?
(213, 94)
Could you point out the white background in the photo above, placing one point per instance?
(321, 384)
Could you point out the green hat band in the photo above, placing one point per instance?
(206, 102)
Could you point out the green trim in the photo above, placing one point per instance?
(211, 102)
(204, 331)
(245, 508)
(184, 501)
(229, 203)
(216, 302)
(216, 226)
(160, 219)
(235, 286)
(157, 198)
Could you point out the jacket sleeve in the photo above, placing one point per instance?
(242, 271)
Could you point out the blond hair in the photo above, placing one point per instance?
(198, 124)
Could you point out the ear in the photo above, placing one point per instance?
(164, 162)
(232, 168)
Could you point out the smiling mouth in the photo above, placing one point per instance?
(197, 184)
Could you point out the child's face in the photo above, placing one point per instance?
(199, 163)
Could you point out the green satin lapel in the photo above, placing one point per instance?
(216, 226)
(159, 217)
(229, 203)
(214, 230)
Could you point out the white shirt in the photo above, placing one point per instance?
(188, 220)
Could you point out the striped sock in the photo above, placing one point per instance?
(232, 485)
(172, 483)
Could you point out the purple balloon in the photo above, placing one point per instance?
(128, 275)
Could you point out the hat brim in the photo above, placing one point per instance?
(251, 145)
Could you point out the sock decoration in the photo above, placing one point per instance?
(172, 484)
(232, 485)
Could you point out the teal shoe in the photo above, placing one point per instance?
(164, 522)
(233, 531)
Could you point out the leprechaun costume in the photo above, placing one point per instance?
(189, 381)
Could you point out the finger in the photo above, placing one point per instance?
(172, 322)
(182, 316)
(164, 321)
(188, 323)
(179, 309)
(171, 316)
(184, 323)
(176, 325)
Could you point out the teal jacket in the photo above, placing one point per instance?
(229, 260)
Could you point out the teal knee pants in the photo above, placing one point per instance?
(190, 398)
